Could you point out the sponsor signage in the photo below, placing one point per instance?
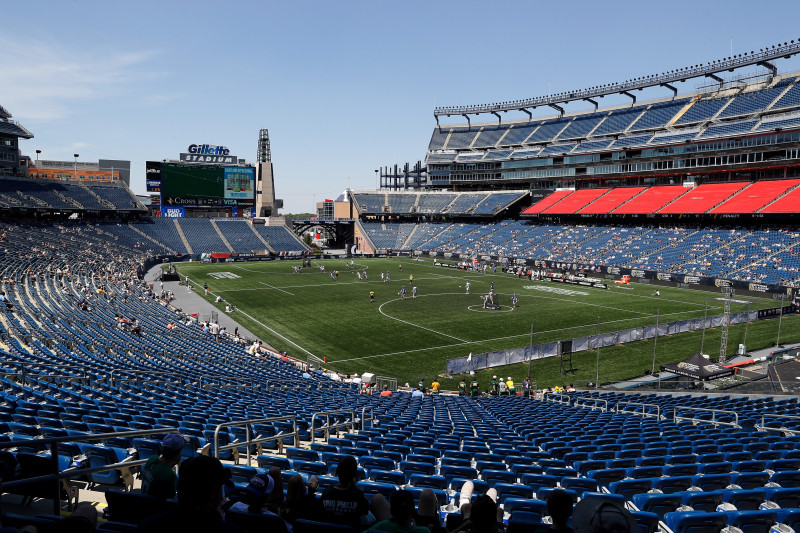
(199, 158)
(173, 212)
(153, 176)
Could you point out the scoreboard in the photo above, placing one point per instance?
(206, 185)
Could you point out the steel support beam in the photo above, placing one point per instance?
(499, 120)
(592, 102)
(672, 88)
(626, 93)
(716, 78)
(769, 66)
(557, 108)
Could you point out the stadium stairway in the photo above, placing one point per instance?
(183, 236)
(221, 236)
(151, 239)
(103, 201)
(410, 237)
(788, 247)
(260, 238)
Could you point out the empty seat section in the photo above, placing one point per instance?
(651, 200)
(703, 197)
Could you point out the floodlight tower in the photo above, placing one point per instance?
(266, 204)
(264, 154)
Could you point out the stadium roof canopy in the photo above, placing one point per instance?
(763, 57)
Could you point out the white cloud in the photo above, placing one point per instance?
(41, 81)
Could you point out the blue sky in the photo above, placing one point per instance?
(343, 87)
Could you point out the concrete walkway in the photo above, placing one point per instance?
(191, 302)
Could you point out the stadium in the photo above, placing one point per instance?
(639, 263)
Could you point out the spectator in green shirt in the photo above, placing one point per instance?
(158, 474)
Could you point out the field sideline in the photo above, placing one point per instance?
(311, 314)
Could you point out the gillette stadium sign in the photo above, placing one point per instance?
(208, 153)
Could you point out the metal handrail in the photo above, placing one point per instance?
(781, 429)
(220, 378)
(557, 397)
(148, 372)
(259, 439)
(23, 373)
(327, 428)
(364, 416)
(53, 443)
(642, 405)
(713, 412)
(299, 383)
(581, 402)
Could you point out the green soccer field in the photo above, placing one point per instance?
(311, 314)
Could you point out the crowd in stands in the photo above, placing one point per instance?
(765, 255)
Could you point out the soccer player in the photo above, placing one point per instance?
(467, 287)
(383, 276)
(400, 266)
(491, 289)
(364, 274)
(387, 275)
(411, 278)
(514, 299)
(413, 291)
(372, 296)
(403, 293)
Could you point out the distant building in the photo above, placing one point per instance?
(10, 134)
(104, 170)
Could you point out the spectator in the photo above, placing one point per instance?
(386, 393)
(300, 501)
(199, 499)
(427, 514)
(344, 503)
(416, 393)
(259, 490)
(275, 498)
(402, 510)
(559, 507)
(597, 516)
(158, 473)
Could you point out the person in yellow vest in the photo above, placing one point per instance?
(435, 386)
(510, 385)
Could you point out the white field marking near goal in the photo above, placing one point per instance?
(224, 275)
(276, 288)
(370, 281)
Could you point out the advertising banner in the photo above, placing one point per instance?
(173, 211)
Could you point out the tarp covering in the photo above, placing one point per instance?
(482, 361)
(698, 367)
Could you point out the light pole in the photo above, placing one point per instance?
(703, 336)
(76, 166)
(655, 343)
(597, 365)
(37, 162)
(780, 319)
(530, 355)
(377, 187)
